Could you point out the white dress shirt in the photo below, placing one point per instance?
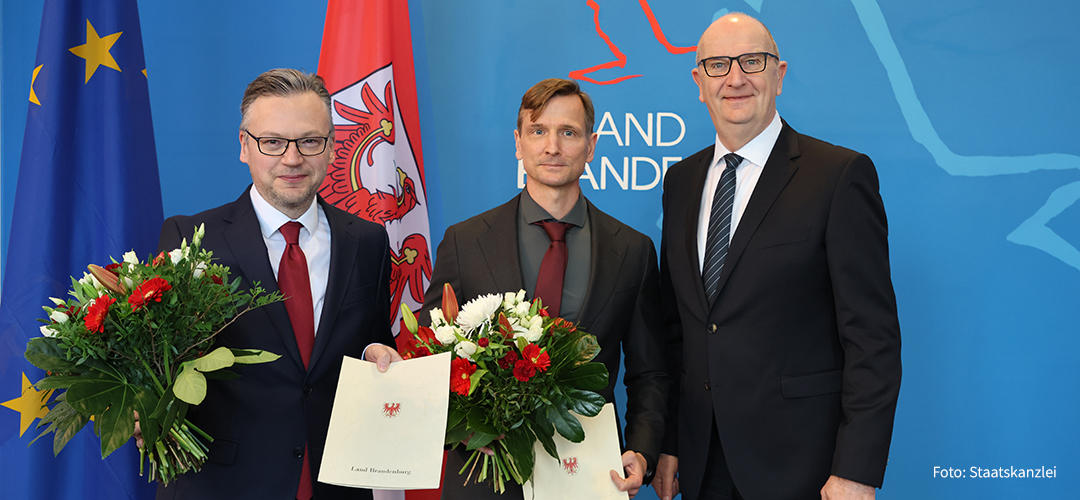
(314, 240)
(755, 153)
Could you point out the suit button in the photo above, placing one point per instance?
(711, 328)
(307, 389)
(706, 384)
(298, 452)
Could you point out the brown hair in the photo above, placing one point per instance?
(537, 97)
(284, 82)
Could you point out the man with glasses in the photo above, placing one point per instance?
(269, 425)
(784, 338)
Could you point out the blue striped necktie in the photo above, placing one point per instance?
(719, 235)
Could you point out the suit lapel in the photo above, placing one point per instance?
(344, 244)
(606, 260)
(694, 196)
(244, 239)
(499, 245)
(774, 177)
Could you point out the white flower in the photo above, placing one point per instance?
(508, 300)
(477, 311)
(57, 302)
(91, 280)
(131, 258)
(46, 331)
(532, 330)
(176, 255)
(437, 319)
(465, 349)
(445, 334)
(59, 316)
(522, 309)
(199, 268)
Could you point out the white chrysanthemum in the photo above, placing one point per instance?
(46, 331)
(465, 349)
(59, 316)
(437, 319)
(131, 257)
(445, 334)
(477, 311)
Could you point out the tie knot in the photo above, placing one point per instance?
(555, 230)
(733, 160)
(291, 231)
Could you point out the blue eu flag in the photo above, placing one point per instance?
(88, 189)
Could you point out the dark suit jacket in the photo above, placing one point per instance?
(798, 361)
(621, 308)
(261, 421)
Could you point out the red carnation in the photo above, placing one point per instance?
(460, 371)
(524, 370)
(483, 342)
(149, 290)
(508, 360)
(216, 279)
(537, 358)
(95, 314)
(114, 268)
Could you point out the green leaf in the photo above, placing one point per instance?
(565, 423)
(589, 377)
(474, 380)
(477, 419)
(45, 353)
(217, 359)
(253, 356)
(93, 397)
(117, 424)
(146, 404)
(479, 439)
(60, 381)
(65, 422)
(544, 432)
(519, 444)
(585, 403)
(190, 386)
(222, 375)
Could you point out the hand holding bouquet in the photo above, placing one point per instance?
(516, 373)
(137, 337)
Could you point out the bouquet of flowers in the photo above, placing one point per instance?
(134, 341)
(515, 375)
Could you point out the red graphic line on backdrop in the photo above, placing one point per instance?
(659, 33)
(619, 62)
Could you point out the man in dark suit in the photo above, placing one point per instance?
(611, 285)
(777, 295)
(263, 421)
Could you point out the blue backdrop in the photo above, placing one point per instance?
(967, 107)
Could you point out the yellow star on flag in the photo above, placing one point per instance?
(33, 95)
(96, 50)
(30, 404)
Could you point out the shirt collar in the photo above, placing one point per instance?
(271, 219)
(533, 212)
(759, 148)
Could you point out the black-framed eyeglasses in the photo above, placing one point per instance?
(276, 146)
(753, 62)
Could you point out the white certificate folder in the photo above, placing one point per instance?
(584, 468)
(387, 429)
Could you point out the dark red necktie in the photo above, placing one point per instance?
(549, 284)
(295, 283)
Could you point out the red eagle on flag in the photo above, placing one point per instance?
(378, 168)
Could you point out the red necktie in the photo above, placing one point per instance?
(549, 284)
(295, 283)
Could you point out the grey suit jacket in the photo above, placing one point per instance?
(621, 308)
